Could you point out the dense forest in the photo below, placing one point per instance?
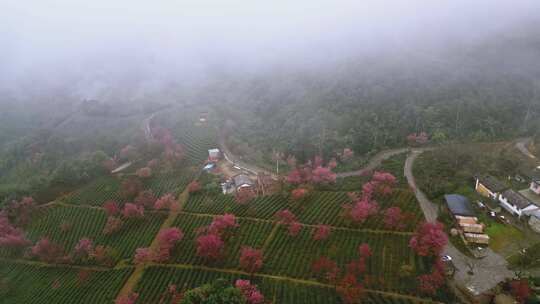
(486, 92)
(482, 92)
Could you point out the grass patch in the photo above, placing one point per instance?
(501, 235)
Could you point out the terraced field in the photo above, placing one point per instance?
(65, 225)
(293, 256)
(250, 233)
(24, 283)
(278, 290)
(261, 207)
(323, 207)
(96, 192)
(196, 141)
(286, 276)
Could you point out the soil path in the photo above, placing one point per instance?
(487, 272)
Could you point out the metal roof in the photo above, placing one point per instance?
(242, 179)
(516, 199)
(492, 183)
(459, 205)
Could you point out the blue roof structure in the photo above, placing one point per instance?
(209, 166)
(459, 205)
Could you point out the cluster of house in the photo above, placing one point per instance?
(239, 182)
(522, 204)
(467, 223)
(262, 184)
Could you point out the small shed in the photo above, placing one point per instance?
(472, 228)
(466, 219)
(477, 238)
(458, 205)
(214, 154)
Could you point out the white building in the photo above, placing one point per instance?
(214, 154)
(516, 203)
(535, 186)
(489, 186)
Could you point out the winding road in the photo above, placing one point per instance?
(236, 161)
(487, 271)
(374, 162)
(521, 145)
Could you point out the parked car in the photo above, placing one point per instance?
(492, 214)
(480, 205)
(503, 219)
(446, 258)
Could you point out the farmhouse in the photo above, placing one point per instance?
(214, 154)
(460, 208)
(242, 181)
(516, 203)
(489, 186)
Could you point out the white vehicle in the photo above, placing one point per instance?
(446, 258)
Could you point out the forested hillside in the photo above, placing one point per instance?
(484, 92)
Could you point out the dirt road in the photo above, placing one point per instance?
(236, 161)
(521, 145)
(487, 272)
(374, 162)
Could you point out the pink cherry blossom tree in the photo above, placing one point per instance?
(294, 228)
(166, 240)
(326, 269)
(250, 292)
(429, 239)
(223, 224)
(20, 212)
(47, 251)
(210, 246)
(394, 218)
(251, 259)
(323, 175)
(321, 233)
(144, 172)
(285, 216)
(143, 255)
(429, 283)
(112, 225)
(111, 208)
(83, 249)
(131, 298)
(11, 236)
(299, 194)
(363, 209)
(133, 211)
(167, 201)
(146, 199)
